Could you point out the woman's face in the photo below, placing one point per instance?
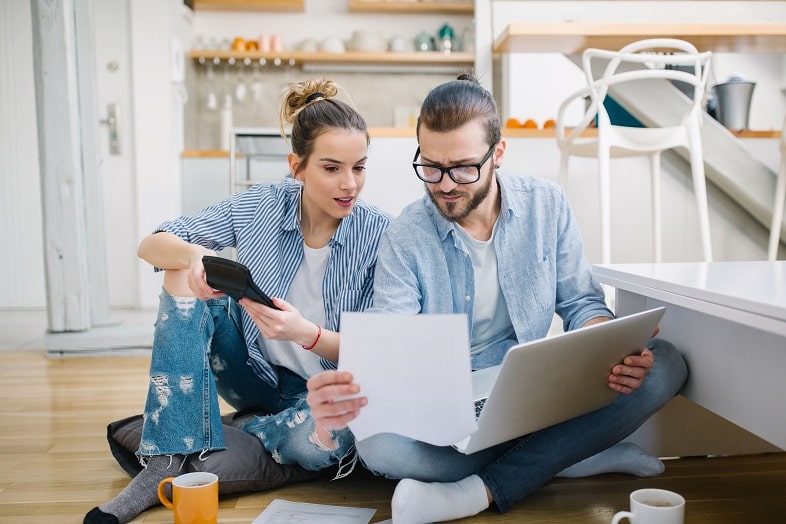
(334, 174)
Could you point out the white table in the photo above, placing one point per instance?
(729, 321)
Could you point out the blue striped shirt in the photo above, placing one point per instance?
(262, 224)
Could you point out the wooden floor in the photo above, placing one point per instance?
(55, 464)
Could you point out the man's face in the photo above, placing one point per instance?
(463, 146)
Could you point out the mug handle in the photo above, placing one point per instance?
(162, 494)
(622, 515)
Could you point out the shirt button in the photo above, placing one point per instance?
(468, 298)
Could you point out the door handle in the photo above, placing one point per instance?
(112, 122)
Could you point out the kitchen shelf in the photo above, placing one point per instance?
(348, 57)
(421, 7)
(250, 5)
(575, 37)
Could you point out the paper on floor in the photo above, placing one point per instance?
(286, 512)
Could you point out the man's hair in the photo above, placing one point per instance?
(452, 104)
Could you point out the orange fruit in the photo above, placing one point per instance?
(530, 124)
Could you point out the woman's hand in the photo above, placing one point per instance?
(285, 323)
(197, 279)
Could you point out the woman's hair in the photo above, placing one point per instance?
(453, 104)
(311, 108)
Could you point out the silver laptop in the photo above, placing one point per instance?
(550, 380)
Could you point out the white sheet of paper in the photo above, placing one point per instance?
(415, 371)
(286, 512)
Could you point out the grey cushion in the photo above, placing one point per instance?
(245, 465)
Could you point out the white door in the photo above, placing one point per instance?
(113, 78)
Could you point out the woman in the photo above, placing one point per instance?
(308, 239)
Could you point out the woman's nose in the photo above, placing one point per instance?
(348, 180)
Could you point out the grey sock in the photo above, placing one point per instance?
(142, 492)
(625, 457)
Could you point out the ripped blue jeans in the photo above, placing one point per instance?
(199, 353)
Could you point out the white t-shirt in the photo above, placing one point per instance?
(490, 317)
(305, 294)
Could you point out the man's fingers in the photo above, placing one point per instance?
(327, 378)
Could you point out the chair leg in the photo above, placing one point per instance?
(700, 191)
(562, 177)
(605, 202)
(777, 212)
(657, 236)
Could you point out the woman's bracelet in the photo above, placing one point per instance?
(319, 334)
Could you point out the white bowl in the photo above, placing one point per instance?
(332, 45)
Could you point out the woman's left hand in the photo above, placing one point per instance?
(285, 323)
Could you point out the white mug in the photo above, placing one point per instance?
(653, 506)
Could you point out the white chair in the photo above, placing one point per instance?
(780, 196)
(644, 60)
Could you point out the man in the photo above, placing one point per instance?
(506, 251)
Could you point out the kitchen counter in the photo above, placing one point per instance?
(409, 132)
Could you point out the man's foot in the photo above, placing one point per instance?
(625, 457)
(416, 502)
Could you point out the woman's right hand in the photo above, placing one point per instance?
(197, 279)
(327, 398)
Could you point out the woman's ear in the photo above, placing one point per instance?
(294, 165)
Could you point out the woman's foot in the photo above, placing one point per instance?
(140, 494)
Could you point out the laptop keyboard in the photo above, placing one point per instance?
(479, 407)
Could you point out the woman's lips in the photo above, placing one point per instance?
(345, 201)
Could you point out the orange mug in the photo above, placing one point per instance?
(194, 497)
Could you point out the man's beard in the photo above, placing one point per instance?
(452, 212)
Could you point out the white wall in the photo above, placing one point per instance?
(21, 233)
(157, 122)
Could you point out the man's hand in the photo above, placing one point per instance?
(325, 391)
(628, 376)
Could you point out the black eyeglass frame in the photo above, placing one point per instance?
(448, 170)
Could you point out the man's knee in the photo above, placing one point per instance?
(384, 454)
(670, 371)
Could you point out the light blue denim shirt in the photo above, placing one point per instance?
(423, 266)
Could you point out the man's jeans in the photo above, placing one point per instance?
(517, 468)
(198, 353)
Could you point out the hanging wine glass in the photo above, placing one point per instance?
(256, 80)
(212, 99)
(242, 90)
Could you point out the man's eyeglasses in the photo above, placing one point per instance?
(466, 174)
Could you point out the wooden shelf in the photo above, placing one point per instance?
(250, 5)
(574, 37)
(419, 7)
(348, 57)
